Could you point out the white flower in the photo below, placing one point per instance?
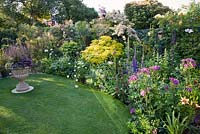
(158, 16)
(110, 63)
(182, 13)
(69, 63)
(124, 38)
(76, 79)
(189, 30)
(67, 76)
(46, 50)
(149, 33)
(76, 86)
(184, 101)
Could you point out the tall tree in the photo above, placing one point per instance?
(142, 13)
(71, 9)
(57, 9)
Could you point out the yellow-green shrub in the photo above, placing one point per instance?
(101, 50)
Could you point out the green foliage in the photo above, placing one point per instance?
(142, 13)
(154, 94)
(7, 30)
(175, 125)
(83, 30)
(185, 24)
(2, 60)
(70, 49)
(33, 11)
(71, 9)
(101, 50)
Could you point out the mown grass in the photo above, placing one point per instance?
(55, 106)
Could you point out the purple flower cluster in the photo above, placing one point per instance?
(174, 80)
(188, 63)
(188, 89)
(197, 119)
(22, 63)
(132, 110)
(166, 87)
(154, 68)
(132, 78)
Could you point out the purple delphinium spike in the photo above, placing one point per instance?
(134, 65)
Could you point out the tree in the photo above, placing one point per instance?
(35, 10)
(142, 13)
(71, 9)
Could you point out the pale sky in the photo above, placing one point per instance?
(119, 4)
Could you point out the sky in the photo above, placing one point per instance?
(119, 4)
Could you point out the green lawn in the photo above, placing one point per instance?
(56, 107)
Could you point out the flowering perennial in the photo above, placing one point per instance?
(144, 71)
(132, 110)
(184, 101)
(188, 63)
(143, 93)
(188, 89)
(154, 68)
(174, 81)
(132, 78)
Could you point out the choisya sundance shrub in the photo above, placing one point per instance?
(102, 49)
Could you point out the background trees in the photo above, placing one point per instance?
(142, 13)
(31, 11)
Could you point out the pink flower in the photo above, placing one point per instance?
(132, 78)
(154, 68)
(189, 63)
(154, 131)
(143, 93)
(144, 70)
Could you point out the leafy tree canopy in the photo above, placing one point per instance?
(142, 13)
(36, 10)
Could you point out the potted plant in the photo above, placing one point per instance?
(19, 62)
